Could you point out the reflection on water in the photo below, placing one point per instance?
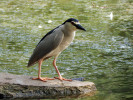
(103, 54)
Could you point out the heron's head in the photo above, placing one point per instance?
(73, 24)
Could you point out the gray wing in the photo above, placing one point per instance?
(49, 43)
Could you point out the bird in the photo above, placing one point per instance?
(52, 44)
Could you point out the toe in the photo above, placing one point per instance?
(67, 79)
(61, 78)
(43, 79)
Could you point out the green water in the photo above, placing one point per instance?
(103, 54)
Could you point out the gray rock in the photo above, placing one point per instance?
(21, 86)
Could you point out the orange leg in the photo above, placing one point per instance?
(60, 77)
(39, 73)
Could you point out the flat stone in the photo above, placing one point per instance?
(21, 86)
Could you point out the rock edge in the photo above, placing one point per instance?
(21, 86)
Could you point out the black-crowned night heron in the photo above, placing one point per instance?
(53, 43)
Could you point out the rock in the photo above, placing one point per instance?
(21, 86)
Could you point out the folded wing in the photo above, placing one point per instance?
(45, 46)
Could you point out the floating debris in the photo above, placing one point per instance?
(110, 16)
(79, 79)
(39, 26)
(50, 21)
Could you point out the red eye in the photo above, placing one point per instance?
(72, 23)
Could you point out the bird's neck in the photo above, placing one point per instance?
(68, 31)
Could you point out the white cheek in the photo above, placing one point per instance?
(77, 22)
(73, 27)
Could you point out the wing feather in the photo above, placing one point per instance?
(45, 46)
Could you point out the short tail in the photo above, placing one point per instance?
(31, 62)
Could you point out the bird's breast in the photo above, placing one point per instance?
(66, 41)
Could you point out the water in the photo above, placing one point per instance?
(103, 54)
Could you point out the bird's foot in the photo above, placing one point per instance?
(61, 78)
(43, 79)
